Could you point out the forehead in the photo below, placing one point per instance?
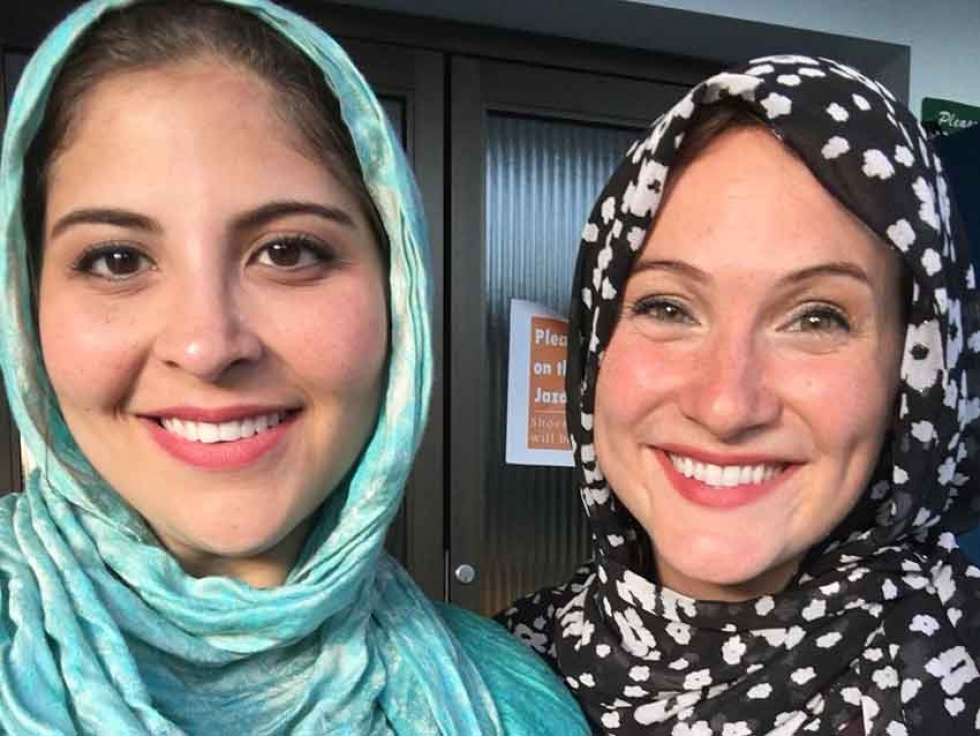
(746, 203)
(122, 97)
(202, 126)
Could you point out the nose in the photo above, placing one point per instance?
(729, 393)
(206, 333)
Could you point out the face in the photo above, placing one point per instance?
(744, 396)
(212, 314)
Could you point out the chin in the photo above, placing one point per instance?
(228, 538)
(730, 576)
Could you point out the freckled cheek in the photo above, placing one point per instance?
(635, 377)
(337, 341)
(847, 398)
(91, 355)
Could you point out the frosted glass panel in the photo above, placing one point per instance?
(542, 178)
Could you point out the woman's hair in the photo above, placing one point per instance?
(159, 33)
(706, 125)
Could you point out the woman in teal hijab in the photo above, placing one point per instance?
(215, 343)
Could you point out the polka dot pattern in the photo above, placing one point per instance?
(879, 631)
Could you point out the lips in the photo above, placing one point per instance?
(222, 439)
(722, 485)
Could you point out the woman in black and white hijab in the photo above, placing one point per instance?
(773, 397)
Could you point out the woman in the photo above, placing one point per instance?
(773, 397)
(216, 347)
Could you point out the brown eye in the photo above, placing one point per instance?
(113, 262)
(291, 253)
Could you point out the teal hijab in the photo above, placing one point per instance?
(101, 631)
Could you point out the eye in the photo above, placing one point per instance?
(662, 310)
(820, 318)
(113, 262)
(292, 253)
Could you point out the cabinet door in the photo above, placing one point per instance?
(530, 150)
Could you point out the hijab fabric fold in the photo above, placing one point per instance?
(101, 631)
(878, 633)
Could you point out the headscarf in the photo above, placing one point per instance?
(879, 630)
(102, 632)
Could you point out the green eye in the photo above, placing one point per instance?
(662, 310)
(821, 318)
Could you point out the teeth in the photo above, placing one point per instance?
(209, 433)
(712, 474)
(724, 476)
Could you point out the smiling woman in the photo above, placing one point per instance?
(773, 397)
(202, 355)
(754, 370)
(191, 311)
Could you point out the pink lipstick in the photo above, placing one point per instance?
(723, 496)
(230, 438)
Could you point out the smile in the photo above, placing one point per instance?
(721, 485)
(232, 431)
(222, 439)
(724, 476)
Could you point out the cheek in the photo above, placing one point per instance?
(634, 385)
(337, 340)
(846, 402)
(635, 376)
(90, 353)
(843, 408)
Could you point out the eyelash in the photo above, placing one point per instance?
(651, 306)
(322, 254)
(87, 263)
(821, 311)
(671, 312)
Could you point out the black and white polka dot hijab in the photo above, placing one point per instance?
(879, 631)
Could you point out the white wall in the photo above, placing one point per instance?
(944, 35)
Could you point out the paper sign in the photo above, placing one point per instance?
(536, 430)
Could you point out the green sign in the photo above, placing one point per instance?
(948, 115)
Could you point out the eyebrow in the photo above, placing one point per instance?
(245, 221)
(833, 268)
(679, 267)
(274, 210)
(105, 216)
